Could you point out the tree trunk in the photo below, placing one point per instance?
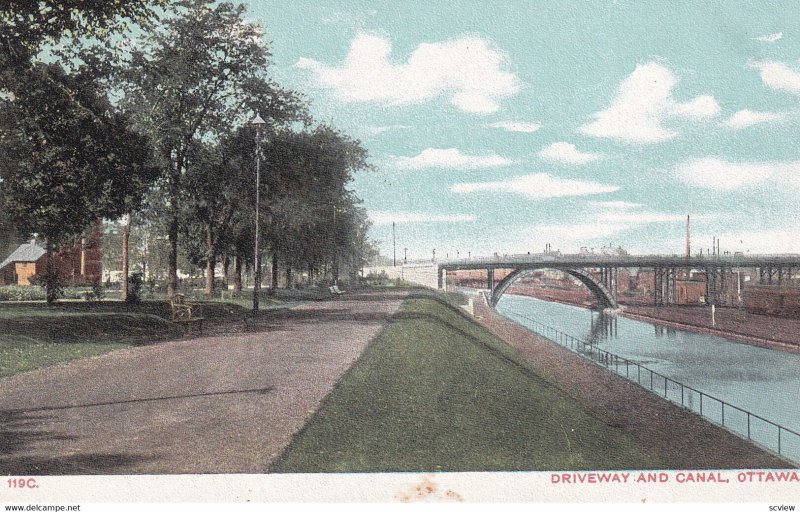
(274, 272)
(172, 230)
(172, 259)
(237, 273)
(288, 277)
(226, 264)
(50, 275)
(126, 234)
(335, 266)
(211, 262)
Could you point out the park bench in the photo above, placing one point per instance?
(335, 290)
(185, 313)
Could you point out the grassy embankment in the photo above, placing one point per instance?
(33, 335)
(435, 391)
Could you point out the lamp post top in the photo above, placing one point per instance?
(257, 121)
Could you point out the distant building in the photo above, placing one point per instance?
(78, 265)
(773, 300)
(21, 265)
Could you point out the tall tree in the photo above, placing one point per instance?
(215, 182)
(72, 160)
(307, 201)
(194, 79)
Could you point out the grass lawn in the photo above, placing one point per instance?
(437, 392)
(33, 335)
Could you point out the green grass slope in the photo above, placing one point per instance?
(437, 392)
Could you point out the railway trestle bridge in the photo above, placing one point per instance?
(599, 273)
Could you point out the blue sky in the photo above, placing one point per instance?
(502, 126)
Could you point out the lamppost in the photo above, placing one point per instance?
(335, 269)
(258, 123)
(405, 255)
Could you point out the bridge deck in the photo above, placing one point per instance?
(651, 261)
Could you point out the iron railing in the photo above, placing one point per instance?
(757, 429)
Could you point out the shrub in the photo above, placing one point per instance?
(54, 288)
(20, 293)
(135, 282)
(97, 293)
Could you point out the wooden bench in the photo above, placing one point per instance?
(185, 313)
(335, 290)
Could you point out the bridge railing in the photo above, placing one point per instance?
(757, 429)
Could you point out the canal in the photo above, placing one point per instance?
(761, 381)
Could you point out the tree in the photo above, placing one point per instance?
(194, 79)
(309, 208)
(29, 24)
(27, 27)
(70, 160)
(211, 207)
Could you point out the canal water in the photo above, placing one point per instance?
(762, 381)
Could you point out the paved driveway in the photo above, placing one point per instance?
(220, 404)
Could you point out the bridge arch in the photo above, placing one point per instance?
(603, 295)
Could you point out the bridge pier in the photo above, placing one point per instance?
(663, 286)
(608, 278)
(490, 278)
(774, 275)
(441, 278)
(717, 280)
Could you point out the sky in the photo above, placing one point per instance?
(504, 126)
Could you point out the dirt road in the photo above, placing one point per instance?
(219, 404)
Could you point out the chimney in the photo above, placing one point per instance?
(688, 246)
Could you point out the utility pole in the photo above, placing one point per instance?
(394, 247)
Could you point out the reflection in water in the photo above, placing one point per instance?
(763, 381)
(661, 330)
(603, 327)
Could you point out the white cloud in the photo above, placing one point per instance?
(643, 100)
(371, 131)
(778, 76)
(468, 71)
(771, 38)
(771, 241)
(713, 173)
(449, 159)
(536, 186)
(516, 126)
(566, 233)
(639, 217)
(745, 118)
(701, 107)
(383, 218)
(616, 205)
(567, 153)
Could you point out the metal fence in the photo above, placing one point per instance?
(765, 433)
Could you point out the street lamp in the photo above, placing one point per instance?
(258, 123)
